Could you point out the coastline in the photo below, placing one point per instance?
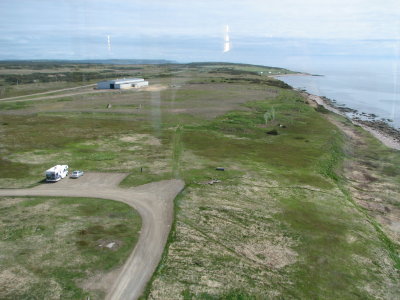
(276, 76)
(379, 129)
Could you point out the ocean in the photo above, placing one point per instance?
(360, 74)
(370, 86)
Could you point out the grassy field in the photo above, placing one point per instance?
(55, 248)
(282, 221)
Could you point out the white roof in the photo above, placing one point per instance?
(56, 168)
(128, 80)
(125, 80)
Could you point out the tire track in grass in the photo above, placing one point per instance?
(177, 148)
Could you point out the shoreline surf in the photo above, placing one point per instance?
(388, 135)
(379, 128)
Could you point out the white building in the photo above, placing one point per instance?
(125, 83)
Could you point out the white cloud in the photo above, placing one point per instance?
(284, 18)
(85, 23)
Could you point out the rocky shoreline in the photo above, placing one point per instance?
(377, 127)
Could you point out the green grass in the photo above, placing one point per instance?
(32, 88)
(281, 223)
(326, 269)
(32, 144)
(14, 105)
(306, 147)
(55, 240)
(304, 162)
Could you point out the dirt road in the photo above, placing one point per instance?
(153, 201)
(48, 92)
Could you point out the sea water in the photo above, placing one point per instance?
(370, 86)
(360, 74)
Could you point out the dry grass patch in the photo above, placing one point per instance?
(143, 139)
(225, 239)
(251, 237)
(37, 157)
(50, 246)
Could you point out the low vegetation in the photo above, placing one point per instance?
(279, 222)
(53, 248)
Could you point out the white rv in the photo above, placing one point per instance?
(56, 173)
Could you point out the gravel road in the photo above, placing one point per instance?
(154, 203)
(48, 92)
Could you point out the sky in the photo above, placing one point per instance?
(186, 30)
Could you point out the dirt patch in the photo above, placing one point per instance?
(154, 88)
(101, 282)
(145, 139)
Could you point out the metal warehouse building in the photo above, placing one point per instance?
(125, 83)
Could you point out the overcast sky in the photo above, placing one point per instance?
(79, 28)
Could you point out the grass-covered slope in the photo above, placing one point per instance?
(280, 223)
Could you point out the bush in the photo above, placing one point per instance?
(321, 109)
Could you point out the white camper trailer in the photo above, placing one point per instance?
(56, 173)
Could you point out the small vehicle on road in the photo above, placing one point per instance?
(76, 174)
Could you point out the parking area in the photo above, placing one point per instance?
(89, 179)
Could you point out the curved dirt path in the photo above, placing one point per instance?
(154, 203)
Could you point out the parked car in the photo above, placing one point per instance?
(76, 174)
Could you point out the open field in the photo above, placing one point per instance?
(289, 217)
(52, 247)
(124, 276)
